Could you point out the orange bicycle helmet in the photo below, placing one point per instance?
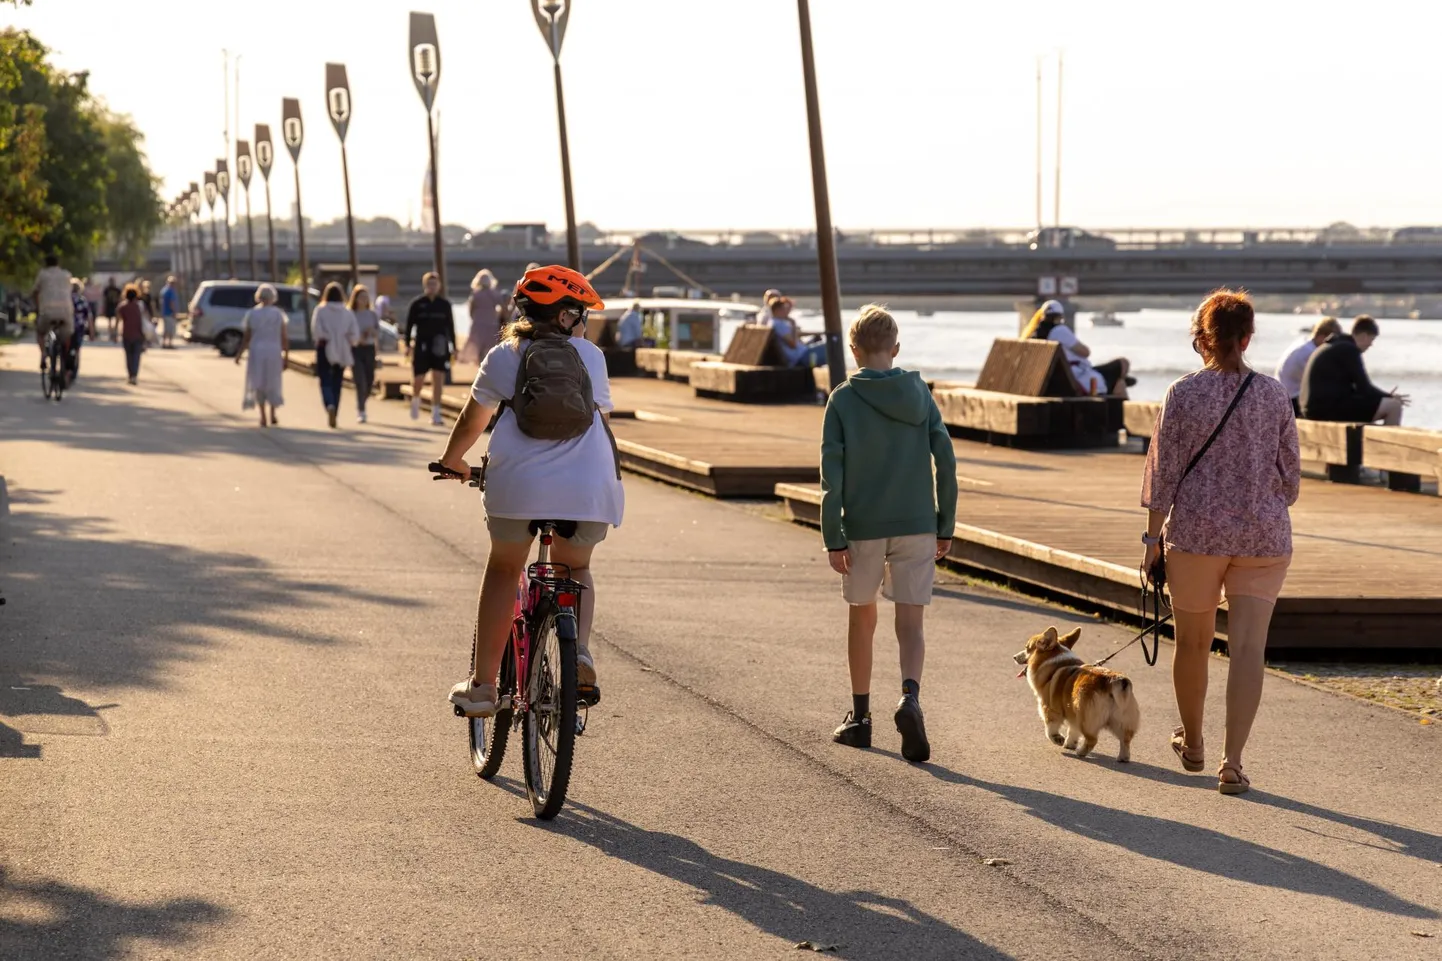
(557, 287)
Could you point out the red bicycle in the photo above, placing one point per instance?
(536, 686)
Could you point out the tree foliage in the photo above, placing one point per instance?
(72, 174)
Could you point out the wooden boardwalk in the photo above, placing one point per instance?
(1368, 565)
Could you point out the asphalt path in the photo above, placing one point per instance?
(223, 733)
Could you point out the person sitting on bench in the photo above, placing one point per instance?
(1049, 323)
(1336, 386)
(795, 351)
(1294, 361)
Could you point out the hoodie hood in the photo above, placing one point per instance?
(898, 394)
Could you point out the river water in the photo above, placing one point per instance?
(952, 346)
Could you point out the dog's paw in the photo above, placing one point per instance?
(1124, 758)
(1057, 739)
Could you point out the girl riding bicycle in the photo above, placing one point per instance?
(551, 457)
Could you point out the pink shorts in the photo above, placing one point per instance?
(1196, 581)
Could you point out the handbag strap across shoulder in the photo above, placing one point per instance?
(1218, 429)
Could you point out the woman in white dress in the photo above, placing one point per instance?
(269, 346)
(485, 305)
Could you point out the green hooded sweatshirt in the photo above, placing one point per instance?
(881, 435)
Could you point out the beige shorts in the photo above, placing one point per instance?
(904, 568)
(1197, 581)
(64, 326)
(515, 531)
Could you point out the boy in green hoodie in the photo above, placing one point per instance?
(885, 515)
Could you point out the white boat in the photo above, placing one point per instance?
(689, 324)
(1106, 318)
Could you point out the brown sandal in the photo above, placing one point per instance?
(1240, 786)
(1189, 759)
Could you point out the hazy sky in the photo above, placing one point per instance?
(689, 113)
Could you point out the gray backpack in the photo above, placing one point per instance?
(553, 399)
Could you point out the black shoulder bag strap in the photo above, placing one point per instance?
(1158, 573)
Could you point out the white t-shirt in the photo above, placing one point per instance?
(530, 479)
(54, 285)
(1294, 365)
(1081, 367)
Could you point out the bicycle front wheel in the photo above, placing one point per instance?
(488, 735)
(550, 724)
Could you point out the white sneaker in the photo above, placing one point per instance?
(474, 700)
(436, 418)
(360, 417)
(585, 668)
(415, 408)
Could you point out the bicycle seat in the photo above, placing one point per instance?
(564, 529)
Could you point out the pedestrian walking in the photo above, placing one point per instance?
(84, 322)
(333, 328)
(93, 299)
(268, 343)
(131, 317)
(112, 297)
(484, 303)
(364, 369)
(431, 323)
(169, 313)
(886, 515)
(152, 311)
(1222, 471)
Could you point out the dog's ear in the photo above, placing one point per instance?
(1069, 641)
(1048, 636)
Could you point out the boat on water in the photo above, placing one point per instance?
(680, 323)
(1106, 318)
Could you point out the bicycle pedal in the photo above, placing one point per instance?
(459, 712)
(588, 696)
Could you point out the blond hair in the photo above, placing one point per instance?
(873, 330)
(1328, 326)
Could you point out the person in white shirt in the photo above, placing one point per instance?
(529, 478)
(1049, 323)
(334, 329)
(1294, 362)
(53, 306)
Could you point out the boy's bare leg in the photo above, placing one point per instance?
(860, 632)
(911, 639)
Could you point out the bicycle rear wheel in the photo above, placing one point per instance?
(45, 379)
(57, 368)
(550, 724)
(489, 734)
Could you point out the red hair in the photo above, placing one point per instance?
(1222, 322)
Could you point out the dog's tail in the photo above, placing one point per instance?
(1120, 689)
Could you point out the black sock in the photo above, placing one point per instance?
(910, 687)
(860, 706)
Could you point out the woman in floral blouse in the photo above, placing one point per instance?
(1226, 526)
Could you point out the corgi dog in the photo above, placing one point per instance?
(1089, 699)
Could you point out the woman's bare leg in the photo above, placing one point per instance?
(1248, 619)
(496, 607)
(1189, 671)
(578, 559)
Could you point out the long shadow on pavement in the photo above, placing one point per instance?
(1198, 848)
(50, 919)
(863, 923)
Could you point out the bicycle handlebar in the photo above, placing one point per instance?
(443, 472)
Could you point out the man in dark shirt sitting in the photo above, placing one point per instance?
(1336, 387)
(432, 324)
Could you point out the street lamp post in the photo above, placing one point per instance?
(222, 184)
(244, 168)
(192, 197)
(825, 236)
(210, 195)
(264, 157)
(552, 17)
(337, 99)
(426, 71)
(293, 130)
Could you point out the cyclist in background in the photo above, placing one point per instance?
(551, 457)
(53, 306)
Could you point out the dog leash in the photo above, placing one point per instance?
(1154, 628)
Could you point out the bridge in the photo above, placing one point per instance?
(947, 263)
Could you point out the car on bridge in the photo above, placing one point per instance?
(509, 235)
(1062, 238)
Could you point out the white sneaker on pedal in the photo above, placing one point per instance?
(360, 417)
(474, 700)
(436, 417)
(585, 668)
(415, 408)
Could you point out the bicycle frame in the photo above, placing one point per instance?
(545, 592)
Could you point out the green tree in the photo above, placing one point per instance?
(26, 215)
(132, 201)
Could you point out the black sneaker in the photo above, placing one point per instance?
(853, 733)
(914, 746)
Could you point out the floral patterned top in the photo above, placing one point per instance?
(1234, 503)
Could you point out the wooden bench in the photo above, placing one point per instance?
(1408, 455)
(752, 371)
(680, 362)
(1139, 419)
(1027, 396)
(1337, 446)
(652, 360)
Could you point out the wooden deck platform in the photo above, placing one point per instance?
(1368, 567)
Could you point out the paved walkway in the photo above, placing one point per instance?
(223, 734)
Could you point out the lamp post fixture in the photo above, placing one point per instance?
(825, 236)
(426, 71)
(222, 184)
(244, 168)
(293, 130)
(552, 17)
(192, 205)
(337, 100)
(264, 157)
(210, 196)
